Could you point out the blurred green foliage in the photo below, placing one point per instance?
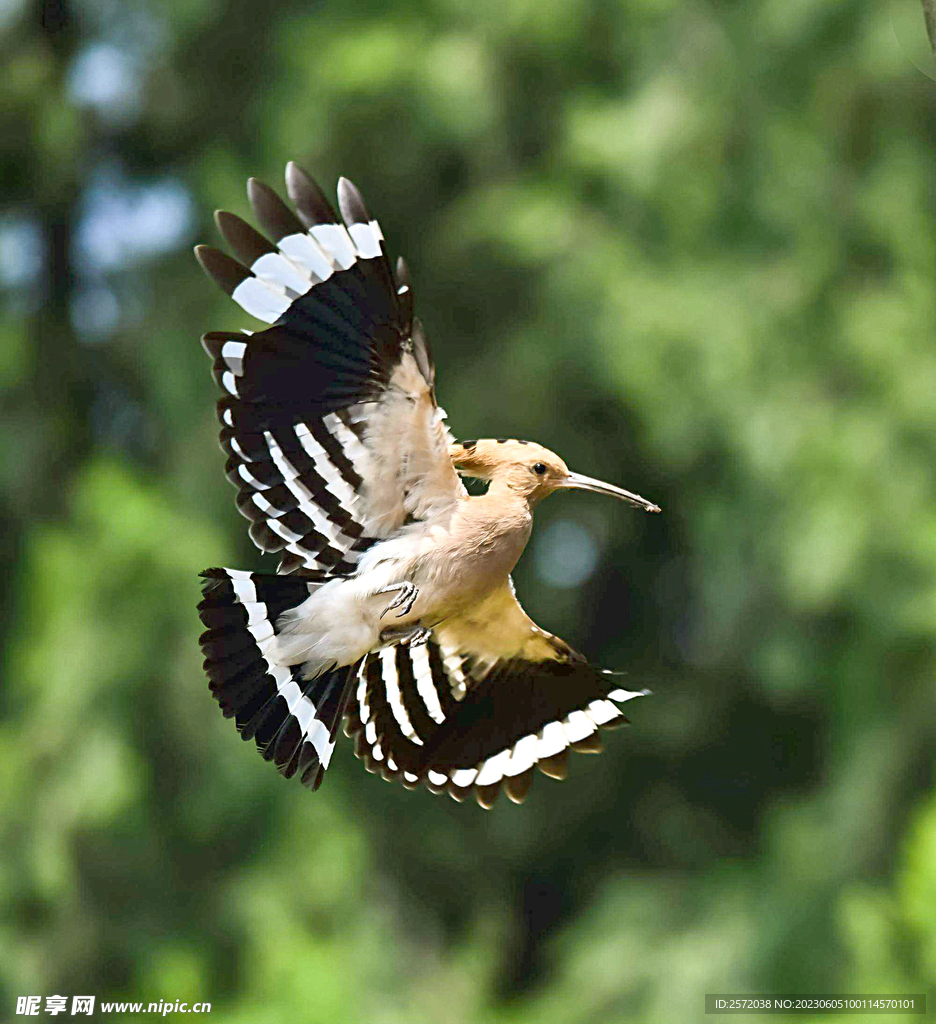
(692, 249)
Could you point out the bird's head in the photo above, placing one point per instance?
(530, 470)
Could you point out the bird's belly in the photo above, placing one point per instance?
(457, 578)
(344, 619)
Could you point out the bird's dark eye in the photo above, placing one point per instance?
(539, 468)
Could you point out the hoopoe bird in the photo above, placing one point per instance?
(392, 607)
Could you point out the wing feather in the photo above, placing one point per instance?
(330, 423)
(490, 697)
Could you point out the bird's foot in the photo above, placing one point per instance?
(407, 636)
(404, 600)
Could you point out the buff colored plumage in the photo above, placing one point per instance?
(394, 609)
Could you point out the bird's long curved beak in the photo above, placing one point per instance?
(587, 483)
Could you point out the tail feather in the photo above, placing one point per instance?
(227, 655)
(287, 747)
(293, 721)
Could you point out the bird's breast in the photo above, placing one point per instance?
(472, 557)
(454, 563)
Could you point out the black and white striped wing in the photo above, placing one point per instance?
(463, 716)
(294, 721)
(329, 421)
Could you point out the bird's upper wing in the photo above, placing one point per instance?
(330, 423)
(489, 697)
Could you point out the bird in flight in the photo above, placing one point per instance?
(392, 606)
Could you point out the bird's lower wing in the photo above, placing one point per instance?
(330, 424)
(477, 708)
(294, 721)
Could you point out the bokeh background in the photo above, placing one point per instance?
(689, 246)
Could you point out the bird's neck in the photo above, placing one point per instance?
(501, 494)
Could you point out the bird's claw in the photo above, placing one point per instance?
(406, 636)
(404, 600)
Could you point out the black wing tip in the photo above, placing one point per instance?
(295, 173)
(351, 203)
(517, 787)
(210, 346)
(213, 580)
(213, 341)
(486, 796)
(402, 273)
(247, 242)
(226, 272)
(200, 251)
(274, 215)
(598, 699)
(255, 187)
(310, 201)
(258, 193)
